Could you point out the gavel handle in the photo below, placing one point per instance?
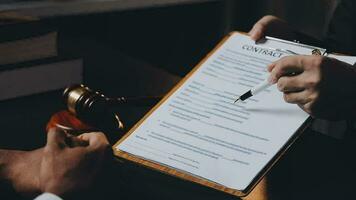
(135, 101)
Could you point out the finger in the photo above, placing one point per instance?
(271, 66)
(56, 138)
(73, 141)
(96, 140)
(287, 66)
(291, 83)
(307, 107)
(301, 98)
(257, 31)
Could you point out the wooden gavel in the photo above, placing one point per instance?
(89, 110)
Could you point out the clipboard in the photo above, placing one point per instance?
(121, 155)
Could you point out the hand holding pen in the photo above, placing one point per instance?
(268, 82)
(323, 87)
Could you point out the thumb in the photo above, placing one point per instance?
(56, 138)
(97, 141)
(257, 32)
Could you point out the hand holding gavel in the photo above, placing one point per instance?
(89, 110)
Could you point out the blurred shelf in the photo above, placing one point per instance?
(52, 8)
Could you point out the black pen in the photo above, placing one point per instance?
(255, 90)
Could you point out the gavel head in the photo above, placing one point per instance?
(81, 100)
(90, 106)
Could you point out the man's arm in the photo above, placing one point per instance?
(323, 87)
(19, 169)
(342, 28)
(59, 168)
(7, 159)
(3, 163)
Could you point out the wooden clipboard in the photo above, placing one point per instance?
(188, 177)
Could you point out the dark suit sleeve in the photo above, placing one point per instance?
(341, 36)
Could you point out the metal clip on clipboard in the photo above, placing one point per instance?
(314, 50)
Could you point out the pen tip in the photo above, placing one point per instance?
(236, 100)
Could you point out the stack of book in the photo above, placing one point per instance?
(30, 62)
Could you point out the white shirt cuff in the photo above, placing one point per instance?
(48, 196)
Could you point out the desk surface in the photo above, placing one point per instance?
(43, 9)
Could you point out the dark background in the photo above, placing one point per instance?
(145, 52)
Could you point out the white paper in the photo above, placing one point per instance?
(347, 59)
(199, 129)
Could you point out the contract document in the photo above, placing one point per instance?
(199, 130)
